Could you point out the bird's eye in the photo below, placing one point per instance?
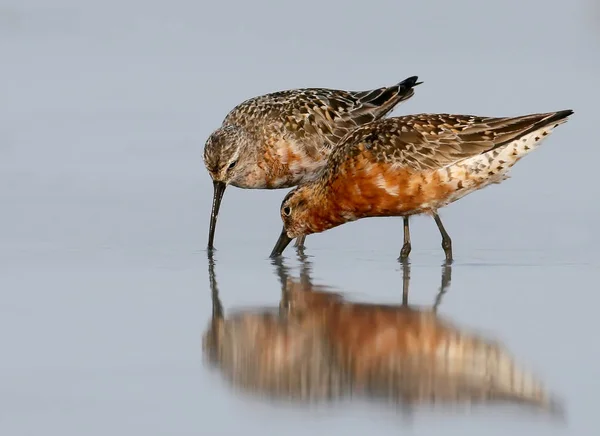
(287, 210)
(232, 164)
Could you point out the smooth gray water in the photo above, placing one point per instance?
(105, 108)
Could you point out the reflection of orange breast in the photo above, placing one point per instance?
(370, 188)
(369, 336)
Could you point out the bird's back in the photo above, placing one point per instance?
(410, 164)
(319, 114)
(294, 131)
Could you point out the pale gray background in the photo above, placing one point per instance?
(105, 107)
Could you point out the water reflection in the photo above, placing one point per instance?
(262, 352)
(316, 345)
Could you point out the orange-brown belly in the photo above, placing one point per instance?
(382, 190)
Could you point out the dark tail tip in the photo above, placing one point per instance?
(565, 113)
(409, 82)
(558, 116)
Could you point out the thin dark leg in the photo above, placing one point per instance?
(405, 281)
(299, 244)
(446, 241)
(406, 246)
(446, 278)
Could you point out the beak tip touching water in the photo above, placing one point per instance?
(219, 190)
(283, 241)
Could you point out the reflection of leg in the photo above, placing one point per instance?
(282, 272)
(406, 246)
(446, 241)
(299, 244)
(304, 271)
(405, 282)
(283, 275)
(446, 278)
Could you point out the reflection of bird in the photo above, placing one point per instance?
(281, 139)
(321, 347)
(260, 352)
(446, 278)
(413, 355)
(411, 165)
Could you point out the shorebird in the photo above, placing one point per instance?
(282, 139)
(410, 165)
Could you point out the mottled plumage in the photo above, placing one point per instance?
(410, 165)
(282, 139)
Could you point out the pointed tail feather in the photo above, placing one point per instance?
(376, 103)
(536, 122)
(516, 138)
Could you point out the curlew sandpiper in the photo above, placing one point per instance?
(409, 165)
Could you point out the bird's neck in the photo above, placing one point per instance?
(325, 211)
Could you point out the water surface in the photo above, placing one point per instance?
(105, 206)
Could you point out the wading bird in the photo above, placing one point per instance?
(410, 165)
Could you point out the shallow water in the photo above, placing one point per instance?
(105, 204)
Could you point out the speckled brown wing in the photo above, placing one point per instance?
(319, 113)
(432, 141)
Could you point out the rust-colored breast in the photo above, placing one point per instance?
(368, 187)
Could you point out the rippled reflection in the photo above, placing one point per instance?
(263, 352)
(319, 346)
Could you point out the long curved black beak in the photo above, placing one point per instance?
(283, 241)
(219, 190)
